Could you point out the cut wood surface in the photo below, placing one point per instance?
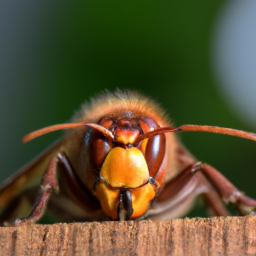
(197, 236)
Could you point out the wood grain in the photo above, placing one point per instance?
(198, 236)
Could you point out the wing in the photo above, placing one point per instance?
(27, 175)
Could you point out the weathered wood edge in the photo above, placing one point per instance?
(197, 236)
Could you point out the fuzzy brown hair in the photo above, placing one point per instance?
(118, 103)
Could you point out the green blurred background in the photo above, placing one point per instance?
(57, 55)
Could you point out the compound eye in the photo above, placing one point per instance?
(155, 152)
(100, 147)
(153, 148)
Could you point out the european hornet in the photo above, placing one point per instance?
(120, 159)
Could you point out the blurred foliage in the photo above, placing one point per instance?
(75, 50)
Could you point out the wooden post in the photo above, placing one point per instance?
(198, 236)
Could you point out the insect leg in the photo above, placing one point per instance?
(211, 198)
(200, 178)
(227, 191)
(178, 195)
(75, 188)
(48, 184)
(18, 206)
(73, 185)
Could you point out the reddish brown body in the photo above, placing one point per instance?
(121, 160)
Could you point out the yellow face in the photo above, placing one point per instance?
(124, 169)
